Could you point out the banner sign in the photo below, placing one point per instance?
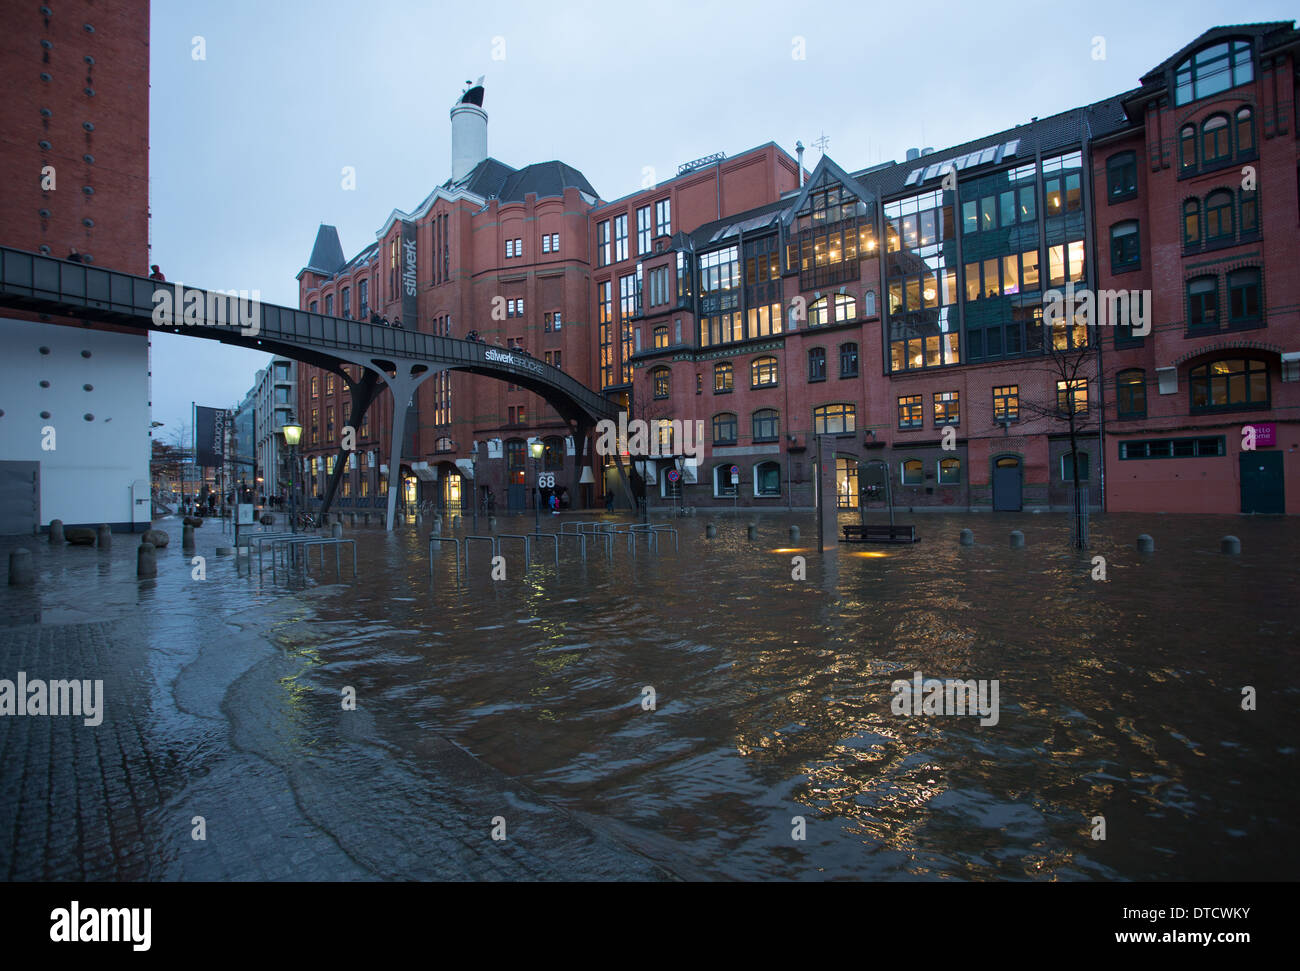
(410, 288)
(210, 436)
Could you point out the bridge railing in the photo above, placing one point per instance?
(43, 281)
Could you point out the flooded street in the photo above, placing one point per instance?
(772, 696)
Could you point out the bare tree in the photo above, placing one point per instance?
(1069, 362)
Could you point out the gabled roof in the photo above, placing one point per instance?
(326, 253)
(827, 171)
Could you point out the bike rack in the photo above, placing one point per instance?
(490, 540)
(446, 539)
(556, 538)
(527, 546)
(580, 537)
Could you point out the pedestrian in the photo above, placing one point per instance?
(609, 502)
(157, 274)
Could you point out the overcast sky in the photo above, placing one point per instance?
(247, 146)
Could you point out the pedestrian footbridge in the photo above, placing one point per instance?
(402, 359)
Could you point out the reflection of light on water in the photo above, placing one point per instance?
(791, 549)
(870, 555)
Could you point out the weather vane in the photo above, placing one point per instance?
(822, 142)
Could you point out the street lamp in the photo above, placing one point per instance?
(537, 448)
(292, 434)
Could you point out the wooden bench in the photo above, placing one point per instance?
(879, 533)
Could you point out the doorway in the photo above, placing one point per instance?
(1261, 483)
(1007, 483)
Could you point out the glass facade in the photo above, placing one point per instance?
(921, 280)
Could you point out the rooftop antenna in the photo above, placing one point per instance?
(822, 142)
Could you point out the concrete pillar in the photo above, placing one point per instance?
(492, 524)
(22, 571)
(146, 561)
(337, 530)
(710, 531)
(187, 538)
(966, 538)
(103, 536)
(794, 533)
(1230, 545)
(56, 532)
(751, 532)
(1017, 540)
(1146, 544)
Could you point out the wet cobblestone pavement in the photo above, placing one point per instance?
(203, 717)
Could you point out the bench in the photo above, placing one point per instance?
(879, 533)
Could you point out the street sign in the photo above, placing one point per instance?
(244, 513)
(735, 475)
(673, 475)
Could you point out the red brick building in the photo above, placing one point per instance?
(915, 313)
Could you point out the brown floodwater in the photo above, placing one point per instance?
(1118, 698)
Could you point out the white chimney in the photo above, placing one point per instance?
(468, 133)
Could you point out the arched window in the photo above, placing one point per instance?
(724, 377)
(315, 387)
(1131, 393)
(835, 419)
(662, 380)
(1187, 148)
(1216, 140)
(1191, 223)
(444, 445)
(767, 425)
(1212, 70)
(1218, 216)
(913, 472)
(817, 364)
(949, 471)
(1125, 252)
(846, 307)
(724, 428)
(1245, 131)
(767, 479)
(1228, 384)
(818, 312)
(763, 372)
(1203, 303)
(849, 360)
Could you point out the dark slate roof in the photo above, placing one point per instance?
(365, 256)
(750, 219)
(545, 179)
(484, 179)
(491, 178)
(327, 253)
(1047, 135)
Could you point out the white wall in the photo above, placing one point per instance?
(87, 478)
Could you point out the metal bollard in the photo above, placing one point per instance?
(22, 570)
(1017, 540)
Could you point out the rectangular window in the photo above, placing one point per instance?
(329, 305)
(620, 238)
(947, 408)
(663, 218)
(1166, 448)
(1006, 403)
(1072, 397)
(817, 364)
(643, 232)
(604, 319)
(602, 243)
(546, 243)
(910, 413)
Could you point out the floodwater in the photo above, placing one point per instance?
(705, 706)
(1119, 698)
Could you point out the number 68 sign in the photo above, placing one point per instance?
(546, 480)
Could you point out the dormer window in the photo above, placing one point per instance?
(1213, 70)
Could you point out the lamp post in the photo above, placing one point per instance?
(473, 486)
(537, 448)
(292, 432)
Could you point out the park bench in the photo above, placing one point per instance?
(879, 533)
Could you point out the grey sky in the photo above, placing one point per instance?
(247, 146)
